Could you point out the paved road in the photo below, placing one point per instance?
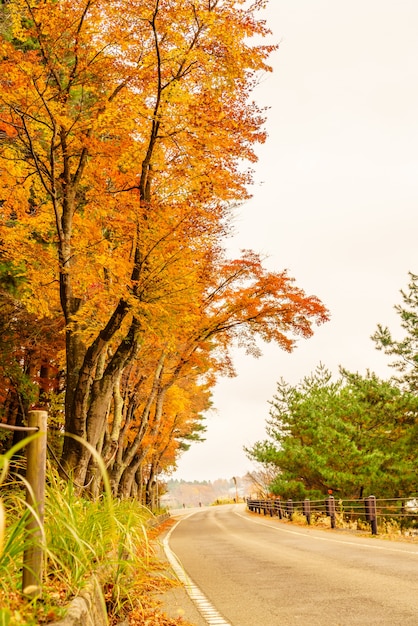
(259, 571)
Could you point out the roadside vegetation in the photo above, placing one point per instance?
(354, 436)
(105, 542)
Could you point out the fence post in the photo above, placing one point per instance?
(330, 508)
(371, 512)
(289, 508)
(307, 510)
(35, 497)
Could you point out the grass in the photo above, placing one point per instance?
(104, 540)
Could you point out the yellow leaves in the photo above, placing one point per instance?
(16, 11)
(130, 123)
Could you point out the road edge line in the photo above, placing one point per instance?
(204, 606)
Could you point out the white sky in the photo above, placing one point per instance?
(335, 201)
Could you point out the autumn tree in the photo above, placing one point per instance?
(125, 129)
(30, 364)
(117, 119)
(242, 302)
(182, 422)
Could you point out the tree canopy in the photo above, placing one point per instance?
(127, 134)
(353, 436)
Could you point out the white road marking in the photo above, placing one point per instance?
(329, 539)
(204, 606)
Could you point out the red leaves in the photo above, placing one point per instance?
(247, 301)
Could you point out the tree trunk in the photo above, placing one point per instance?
(74, 422)
(100, 395)
(127, 479)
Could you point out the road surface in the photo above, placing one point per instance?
(243, 569)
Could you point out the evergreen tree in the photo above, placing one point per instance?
(354, 436)
(406, 349)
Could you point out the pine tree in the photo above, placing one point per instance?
(406, 349)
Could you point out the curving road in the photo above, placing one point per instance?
(245, 569)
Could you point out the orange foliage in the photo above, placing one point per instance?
(127, 124)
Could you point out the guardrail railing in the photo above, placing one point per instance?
(370, 509)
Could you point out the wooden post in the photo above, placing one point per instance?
(371, 513)
(35, 476)
(330, 509)
(307, 510)
(234, 478)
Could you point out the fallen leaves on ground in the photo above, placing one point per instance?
(154, 617)
(156, 581)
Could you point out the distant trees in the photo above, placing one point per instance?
(182, 492)
(353, 436)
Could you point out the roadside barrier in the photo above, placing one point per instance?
(369, 509)
(35, 500)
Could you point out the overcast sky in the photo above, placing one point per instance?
(335, 201)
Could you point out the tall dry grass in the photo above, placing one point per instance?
(104, 540)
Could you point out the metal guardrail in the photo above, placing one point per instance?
(370, 509)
